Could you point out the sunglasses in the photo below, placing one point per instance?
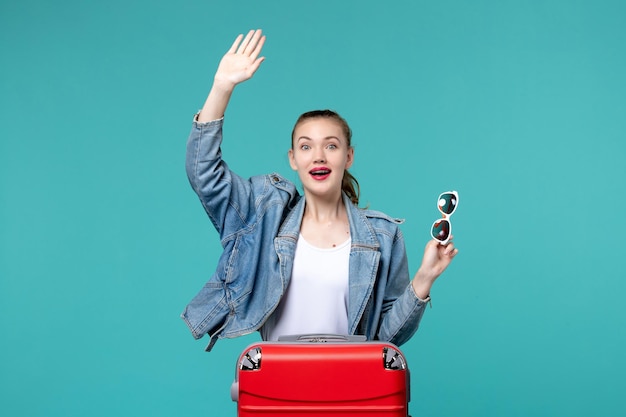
(442, 228)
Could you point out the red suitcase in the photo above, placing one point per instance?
(322, 375)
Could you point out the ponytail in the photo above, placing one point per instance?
(350, 186)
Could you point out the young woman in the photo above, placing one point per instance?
(296, 264)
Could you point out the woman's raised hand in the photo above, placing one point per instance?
(238, 65)
(241, 61)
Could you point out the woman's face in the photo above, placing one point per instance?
(320, 154)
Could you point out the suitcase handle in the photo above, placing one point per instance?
(322, 338)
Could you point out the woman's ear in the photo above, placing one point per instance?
(292, 161)
(350, 157)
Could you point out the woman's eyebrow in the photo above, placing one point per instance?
(326, 138)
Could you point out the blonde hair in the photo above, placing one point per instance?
(349, 184)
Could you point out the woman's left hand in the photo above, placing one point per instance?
(436, 259)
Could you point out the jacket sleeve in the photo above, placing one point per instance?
(402, 308)
(225, 196)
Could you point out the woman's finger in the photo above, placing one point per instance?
(246, 41)
(253, 43)
(235, 44)
(451, 250)
(257, 50)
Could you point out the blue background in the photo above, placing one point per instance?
(520, 106)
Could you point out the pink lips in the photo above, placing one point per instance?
(320, 173)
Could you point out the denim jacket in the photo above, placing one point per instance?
(258, 220)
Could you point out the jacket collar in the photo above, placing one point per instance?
(361, 230)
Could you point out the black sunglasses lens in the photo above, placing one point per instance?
(447, 203)
(441, 230)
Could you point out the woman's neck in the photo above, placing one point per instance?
(325, 222)
(320, 210)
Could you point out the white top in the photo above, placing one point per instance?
(316, 300)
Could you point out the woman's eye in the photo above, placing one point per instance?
(332, 146)
(305, 147)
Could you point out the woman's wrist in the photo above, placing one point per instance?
(223, 86)
(422, 285)
(216, 103)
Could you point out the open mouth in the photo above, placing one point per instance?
(320, 173)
